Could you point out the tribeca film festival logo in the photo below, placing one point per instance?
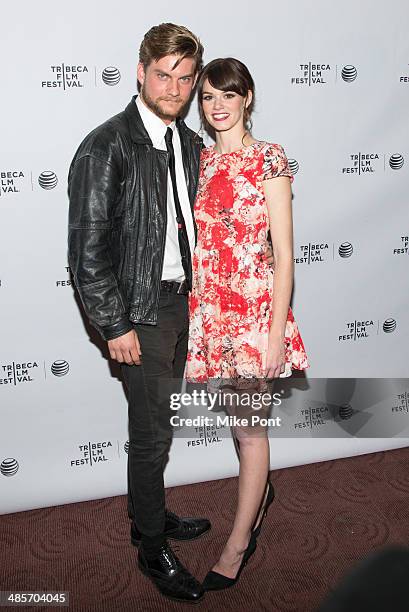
(310, 74)
(361, 330)
(318, 416)
(312, 253)
(92, 453)
(9, 467)
(362, 163)
(66, 76)
(401, 403)
(19, 372)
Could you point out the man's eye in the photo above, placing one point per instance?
(186, 79)
(162, 76)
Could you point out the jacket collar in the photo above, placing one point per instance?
(137, 129)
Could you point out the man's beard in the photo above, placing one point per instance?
(154, 106)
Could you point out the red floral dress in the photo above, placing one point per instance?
(231, 303)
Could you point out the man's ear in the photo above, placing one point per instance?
(140, 73)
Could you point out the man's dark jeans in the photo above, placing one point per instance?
(164, 348)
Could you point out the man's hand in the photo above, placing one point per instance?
(126, 348)
(268, 255)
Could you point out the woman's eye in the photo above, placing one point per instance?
(207, 98)
(230, 95)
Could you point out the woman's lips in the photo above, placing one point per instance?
(220, 116)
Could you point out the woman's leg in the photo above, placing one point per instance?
(254, 468)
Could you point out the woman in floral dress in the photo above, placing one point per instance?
(240, 329)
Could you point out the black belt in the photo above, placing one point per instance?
(175, 287)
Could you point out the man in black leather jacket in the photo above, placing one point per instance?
(126, 262)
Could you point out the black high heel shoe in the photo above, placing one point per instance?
(216, 582)
(269, 499)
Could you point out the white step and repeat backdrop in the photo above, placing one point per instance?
(333, 88)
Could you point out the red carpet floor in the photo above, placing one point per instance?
(325, 517)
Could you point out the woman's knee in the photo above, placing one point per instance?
(250, 436)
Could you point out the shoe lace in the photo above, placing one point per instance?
(168, 556)
(184, 576)
(171, 550)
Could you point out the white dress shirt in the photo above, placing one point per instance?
(156, 128)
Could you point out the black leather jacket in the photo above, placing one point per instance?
(117, 187)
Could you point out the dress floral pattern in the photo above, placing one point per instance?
(231, 303)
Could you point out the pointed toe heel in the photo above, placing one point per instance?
(216, 582)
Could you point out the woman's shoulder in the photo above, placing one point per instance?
(267, 146)
(273, 161)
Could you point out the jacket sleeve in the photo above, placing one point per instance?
(93, 188)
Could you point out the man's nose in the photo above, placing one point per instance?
(174, 88)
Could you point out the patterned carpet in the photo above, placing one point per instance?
(325, 517)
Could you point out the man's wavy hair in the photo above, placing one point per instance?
(170, 39)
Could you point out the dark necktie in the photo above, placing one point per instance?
(182, 231)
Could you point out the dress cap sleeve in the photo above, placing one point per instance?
(275, 163)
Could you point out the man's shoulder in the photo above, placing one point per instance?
(188, 133)
(101, 139)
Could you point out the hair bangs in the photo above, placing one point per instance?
(223, 75)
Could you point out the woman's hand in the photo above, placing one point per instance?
(268, 256)
(275, 364)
